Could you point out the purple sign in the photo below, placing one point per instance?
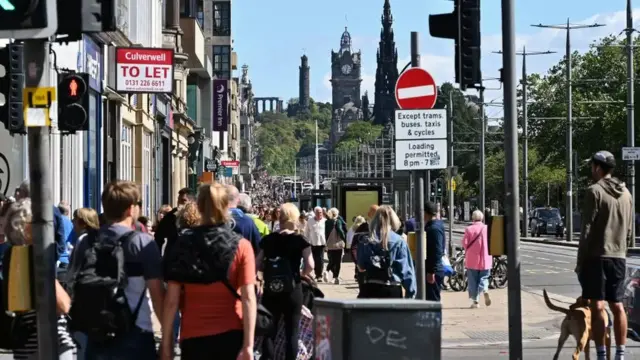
(220, 105)
(92, 63)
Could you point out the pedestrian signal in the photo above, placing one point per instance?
(73, 102)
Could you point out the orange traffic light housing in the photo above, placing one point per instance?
(73, 102)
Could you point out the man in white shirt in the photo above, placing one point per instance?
(314, 233)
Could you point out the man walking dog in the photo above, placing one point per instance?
(607, 219)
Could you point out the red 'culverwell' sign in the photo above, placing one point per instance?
(144, 70)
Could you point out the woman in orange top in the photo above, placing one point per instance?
(215, 325)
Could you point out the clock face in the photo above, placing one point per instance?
(346, 69)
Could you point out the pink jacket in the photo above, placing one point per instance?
(476, 251)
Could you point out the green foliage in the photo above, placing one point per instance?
(599, 114)
(280, 138)
(542, 176)
(358, 133)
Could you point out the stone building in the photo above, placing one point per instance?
(346, 79)
(386, 71)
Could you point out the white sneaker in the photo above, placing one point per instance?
(487, 299)
(474, 305)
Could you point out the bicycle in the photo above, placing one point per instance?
(498, 277)
(458, 281)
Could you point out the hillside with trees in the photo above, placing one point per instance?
(280, 137)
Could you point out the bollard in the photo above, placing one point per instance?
(377, 329)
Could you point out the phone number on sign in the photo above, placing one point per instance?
(144, 83)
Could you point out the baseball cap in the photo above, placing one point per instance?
(605, 158)
(430, 208)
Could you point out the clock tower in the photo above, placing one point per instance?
(346, 74)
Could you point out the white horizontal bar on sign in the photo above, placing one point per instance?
(416, 91)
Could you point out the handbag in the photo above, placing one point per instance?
(264, 318)
(334, 242)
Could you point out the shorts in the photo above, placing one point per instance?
(603, 279)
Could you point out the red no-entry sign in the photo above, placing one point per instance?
(416, 89)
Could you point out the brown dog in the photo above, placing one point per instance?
(577, 322)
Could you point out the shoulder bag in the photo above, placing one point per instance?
(264, 318)
(334, 242)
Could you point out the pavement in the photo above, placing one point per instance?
(483, 333)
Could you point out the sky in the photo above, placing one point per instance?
(271, 36)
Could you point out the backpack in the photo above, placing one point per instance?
(379, 266)
(99, 307)
(277, 275)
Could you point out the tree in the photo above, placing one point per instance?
(281, 138)
(599, 114)
(541, 176)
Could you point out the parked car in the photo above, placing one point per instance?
(546, 221)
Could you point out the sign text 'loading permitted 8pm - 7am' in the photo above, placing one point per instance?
(144, 70)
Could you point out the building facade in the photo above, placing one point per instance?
(247, 129)
(346, 81)
(138, 137)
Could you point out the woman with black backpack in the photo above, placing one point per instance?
(385, 259)
(280, 257)
(211, 273)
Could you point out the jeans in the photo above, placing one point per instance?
(138, 344)
(478, 282)
(81, 344)
(335, 262)
(433, 290)
(176, 328)
(289, 307)
(318, 259)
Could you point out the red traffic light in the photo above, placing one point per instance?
(74, 87)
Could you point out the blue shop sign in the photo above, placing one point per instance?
(93, 62)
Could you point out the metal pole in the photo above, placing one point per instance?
(36, 57)
(630, 110)
(525, 148)
(450, 158)
(512, 184)
(569, 194)
(525, 138)
(419, 199)
(317, 164)
(483, 133)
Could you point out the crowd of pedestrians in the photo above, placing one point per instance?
(225, 278)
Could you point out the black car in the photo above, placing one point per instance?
(546, 221)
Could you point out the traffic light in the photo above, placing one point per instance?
(85, 16)
(463, 26)
(11, 86)
(73, 102)
(28, 19)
